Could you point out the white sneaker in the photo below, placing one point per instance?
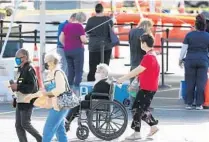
(134, 136)
(199, 107)
(153, 130)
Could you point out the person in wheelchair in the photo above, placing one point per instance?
(101, 85)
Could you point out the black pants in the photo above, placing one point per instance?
(196, 78)
(74, 111)
(94, 60)
(23, 123)
(140, 110)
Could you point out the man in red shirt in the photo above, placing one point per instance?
(148, 73)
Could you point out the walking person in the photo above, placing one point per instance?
(136, 52)
(60, 47)
(195, 47)
(73, 38)
(98, 37)
(26, 84)
(57, 85)
(148, 74)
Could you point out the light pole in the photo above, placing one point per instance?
(42, 33)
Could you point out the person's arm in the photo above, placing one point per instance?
(87, 28)
(62, 38)
(27, 87)
(132, 74)
(111, 23)
(145, 63)
(82, 35)
(60, 28)
(183, 51)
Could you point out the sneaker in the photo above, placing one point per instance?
(134, 136)
(189, 107)
(153, 130)
(199, 107)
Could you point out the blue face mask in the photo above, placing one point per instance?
(18, 61)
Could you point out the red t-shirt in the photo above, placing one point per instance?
(149, 78)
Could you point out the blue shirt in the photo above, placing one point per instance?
(198, 44)
(60, 29)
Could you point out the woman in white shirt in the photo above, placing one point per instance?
(48, 99)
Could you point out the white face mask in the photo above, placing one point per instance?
(98, 76)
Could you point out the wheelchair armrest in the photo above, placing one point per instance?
(100, 94)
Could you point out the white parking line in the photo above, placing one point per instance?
(166, 98)
(180, 109)
(8, 112)
(167, 90)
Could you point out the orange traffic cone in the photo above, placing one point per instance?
(36, 67)
(206, 103)
(116, 52)
(158, 36)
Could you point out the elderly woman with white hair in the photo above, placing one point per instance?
(73, 38)
(48, 99)
(101, 85)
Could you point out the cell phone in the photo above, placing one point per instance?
(11, 82)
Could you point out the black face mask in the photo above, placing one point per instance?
(46, 66)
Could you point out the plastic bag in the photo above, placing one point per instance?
(134, 87)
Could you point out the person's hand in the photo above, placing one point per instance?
(44, 93)
(28, 98)
(181, 63)
(13, 87)
(120, 80)
(130, 88)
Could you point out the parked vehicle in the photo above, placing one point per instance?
(201, 4)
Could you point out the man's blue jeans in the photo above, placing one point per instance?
(55, 125)
(63, 61)
(75, 61)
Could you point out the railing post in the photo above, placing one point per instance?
(167, 52)
(35, 37)
(162, 61)
(20, 32)
(163, 85)
(2, 26)
(167, 34)
(131, 24)
(102, 52)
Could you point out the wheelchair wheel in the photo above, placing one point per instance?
(108, 120)
(82, 132)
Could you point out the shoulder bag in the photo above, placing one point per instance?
(68, 99)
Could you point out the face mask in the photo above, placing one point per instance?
(98, 76)
(46, 66)
(18, 61)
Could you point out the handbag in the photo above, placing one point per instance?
(113, 37)
(68, 99)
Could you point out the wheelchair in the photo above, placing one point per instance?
(105, 117)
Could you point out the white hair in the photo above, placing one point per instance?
(52, 57)
(104, 68)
